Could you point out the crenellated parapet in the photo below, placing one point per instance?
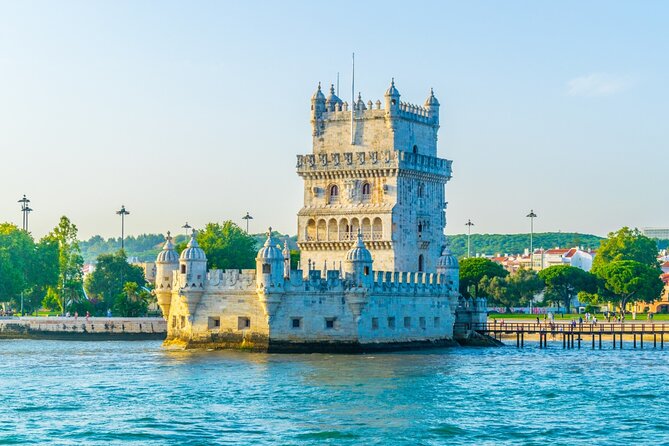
(385, 162)
(231, 279)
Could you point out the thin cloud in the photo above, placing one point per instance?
(597, 84)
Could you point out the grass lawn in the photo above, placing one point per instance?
(600, 317)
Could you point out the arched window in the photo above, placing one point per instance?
(420, 263)
(366, 189)
(415, 149)
(183, 269)
(421, 190)
(334, 194)
(420, 229)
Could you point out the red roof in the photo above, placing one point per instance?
(665, 265)
(557, 251)
(571, 253)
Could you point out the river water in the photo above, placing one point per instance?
(139, 393)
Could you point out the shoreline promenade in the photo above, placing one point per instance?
(93, 328)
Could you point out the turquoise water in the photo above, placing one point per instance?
(136, 392)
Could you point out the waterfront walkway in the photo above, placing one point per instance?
(93, 328)
(573, 334)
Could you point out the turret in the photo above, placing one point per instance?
(448, 265)
(432, 106)
(269, 264)
(166, 263)
(192, 273)
(317, 110)
(358, 265)
(392, 98)
(332, 103)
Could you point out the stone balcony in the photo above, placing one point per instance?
(321, 163)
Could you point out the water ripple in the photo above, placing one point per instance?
(73, 393)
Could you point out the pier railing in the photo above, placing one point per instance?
(573, 334)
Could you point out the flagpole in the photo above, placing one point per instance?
(353, 101)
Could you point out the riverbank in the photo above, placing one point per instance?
(82, 329)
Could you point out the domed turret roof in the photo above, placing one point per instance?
(360, 104)
(332, 97)
(269, 251)
(431, 101)
(193, 252)
(318, 96)
(168, 254)
(447, 260)
(392, 91)
(359, 253)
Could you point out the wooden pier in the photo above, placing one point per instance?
(574, 336)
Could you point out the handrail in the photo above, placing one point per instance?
(586, 328)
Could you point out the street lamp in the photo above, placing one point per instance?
(24, 210)
(28, 210)
(122, 212)
(531, 216)
(247, 217)
(187, 227)
(469, 225)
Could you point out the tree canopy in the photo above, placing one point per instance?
(227, 246)
(564, 282)
(111, 274)
(626, 244)
(473, 269)
(27, 269)
(70, 263)
(516, 289)
(628, 280)
(132, 302)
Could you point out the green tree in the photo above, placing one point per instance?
(132, 302)
(516, 289)
(473, 269)
(626, 244)
(17, 252)
(70, 263)
(564, 282)
(112, 272)
(227, 246)
(42, 274)
(625, 281)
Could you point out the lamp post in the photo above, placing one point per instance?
(28, 210)
(24, 210)
(187, 227)
(247, 217)
(122, 212)
(469, 225)
(531, 216)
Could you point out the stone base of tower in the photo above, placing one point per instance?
(262, 344)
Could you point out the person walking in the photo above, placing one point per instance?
(88, 316)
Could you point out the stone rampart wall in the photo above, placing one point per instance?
(96, 328)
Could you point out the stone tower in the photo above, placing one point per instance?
(373, 169)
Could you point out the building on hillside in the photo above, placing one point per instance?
(656, 233)
(375, 270)
(149, 269)
(544, 258)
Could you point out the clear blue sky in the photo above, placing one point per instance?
(194, 111)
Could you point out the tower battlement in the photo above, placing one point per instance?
(375, 110)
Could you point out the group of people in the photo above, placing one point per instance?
(76, 315)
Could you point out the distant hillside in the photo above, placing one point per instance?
(145, 247)
(491, 244)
